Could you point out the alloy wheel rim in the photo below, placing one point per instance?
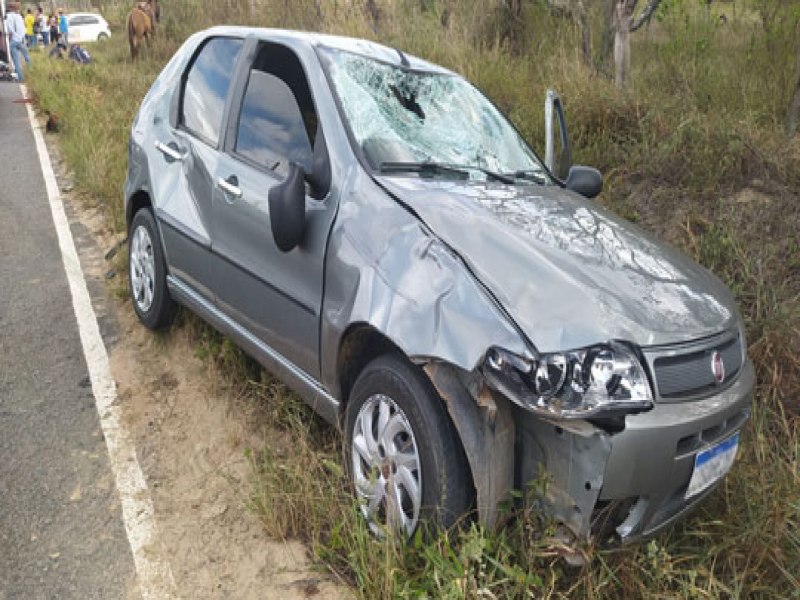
(142, 268)
(386, 468)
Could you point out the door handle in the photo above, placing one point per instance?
(230, 186)
(169, 151)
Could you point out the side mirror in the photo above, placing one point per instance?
(587, 181)
(557, 153)
(287, 209)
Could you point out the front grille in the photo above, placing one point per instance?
(690, 375)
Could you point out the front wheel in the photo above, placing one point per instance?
(406, 461)
(147, 271)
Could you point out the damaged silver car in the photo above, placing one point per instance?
(373, 230)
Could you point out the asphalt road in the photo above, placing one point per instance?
(61, 530)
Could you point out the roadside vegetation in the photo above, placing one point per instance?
(695, 151)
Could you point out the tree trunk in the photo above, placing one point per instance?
(603, 62)
(373, 13)
(514, 7)
(623, 19)
(447, 12)
(793, 118)
(624, 25)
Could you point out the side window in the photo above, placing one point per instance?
(271, 128)
(278, 121)
(92, 21)
(207, 86)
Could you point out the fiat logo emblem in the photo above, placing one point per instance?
(718, 367)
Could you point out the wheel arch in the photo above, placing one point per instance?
(138, 200)
(364, 345)
(151, 268)
(360, 344)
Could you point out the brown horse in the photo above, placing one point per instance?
(142, 24)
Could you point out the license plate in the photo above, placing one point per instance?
(710, 465)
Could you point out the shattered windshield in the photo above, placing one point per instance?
(433, 124)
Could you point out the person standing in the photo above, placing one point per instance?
(63, 27)
(52, 23)
(43, 27)
(30, 23)
(15, 29)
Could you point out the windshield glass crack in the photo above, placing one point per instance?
(406, 117)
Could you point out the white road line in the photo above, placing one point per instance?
(155, 576)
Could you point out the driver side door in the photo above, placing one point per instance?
(276, 295)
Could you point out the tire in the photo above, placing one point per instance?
(102, 37)
(417, 458)
(147, 273)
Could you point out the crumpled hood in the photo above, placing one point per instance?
(568, 272)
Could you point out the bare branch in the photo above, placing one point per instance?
(646, 14)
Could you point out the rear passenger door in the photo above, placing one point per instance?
(185, 159)
(276, 295)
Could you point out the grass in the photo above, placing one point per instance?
(695, 153)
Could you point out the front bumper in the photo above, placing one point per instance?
(628, 485)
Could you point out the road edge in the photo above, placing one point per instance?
(138, 516)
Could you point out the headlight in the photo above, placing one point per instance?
(595, 381)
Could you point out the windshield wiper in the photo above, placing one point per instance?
(423, 168)
(432, 168)
(534, 176)
(501, 177)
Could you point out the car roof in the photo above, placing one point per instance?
(84, 14)
(362, 47)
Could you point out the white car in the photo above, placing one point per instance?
(87, 27)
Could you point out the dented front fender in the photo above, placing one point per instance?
(386, 270)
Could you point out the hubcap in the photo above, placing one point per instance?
(386, 467)
(143, 268)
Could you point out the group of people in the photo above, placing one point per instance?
(50, 27)
(23, 33)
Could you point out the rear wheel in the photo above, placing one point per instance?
(147, 271)
(102, 37)
(405, 458)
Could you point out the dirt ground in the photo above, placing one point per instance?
(191, 434)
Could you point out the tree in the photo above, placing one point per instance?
(373, 14)
(514, 7)
(619, 23)
(624, 24)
